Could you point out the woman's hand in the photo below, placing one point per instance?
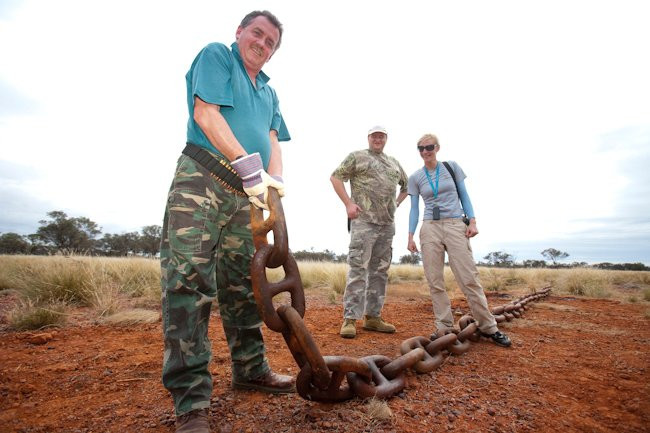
(412, 247)
(471, 230)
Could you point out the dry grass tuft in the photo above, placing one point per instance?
(378, 410)
(132, 317)
(402, 273)
(585, 282)
(29, 316)
(646, 294)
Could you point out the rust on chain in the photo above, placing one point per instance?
(380, 386)
(459, 347)
(429, 362)
(265, 291)
(303, 347)
(322, 378)
(469, 333)
(455, 348)
(336, 390)
(275, 222)
(399, 365)
(466, 321)
(441, 343)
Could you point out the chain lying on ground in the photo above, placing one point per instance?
(321, 378)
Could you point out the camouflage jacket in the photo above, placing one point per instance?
(373, 178)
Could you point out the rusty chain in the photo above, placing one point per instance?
(321, 378)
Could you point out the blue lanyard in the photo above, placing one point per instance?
(434, 189)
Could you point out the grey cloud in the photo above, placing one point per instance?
(635, 197)
(616, 240)
(11, 171)
(14, 103)
(21, 213)
(632, 138)
(21, 210)
(7, 7)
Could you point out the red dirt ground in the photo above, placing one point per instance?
(576, 365)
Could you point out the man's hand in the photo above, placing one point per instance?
(353, 210)
(471, 230)
(412, 247)
(256, 181)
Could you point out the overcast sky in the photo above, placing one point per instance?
(545, 105)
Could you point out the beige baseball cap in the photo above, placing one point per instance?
(377, 129)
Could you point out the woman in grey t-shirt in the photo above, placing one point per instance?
(443, 229)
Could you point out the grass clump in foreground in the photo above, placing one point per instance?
(378, 410)
(585, 282)
(27, 316)
(132, 317)
(46, 285)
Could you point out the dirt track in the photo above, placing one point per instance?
(576, 365)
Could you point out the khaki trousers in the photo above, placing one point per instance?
(448, 234)
(369, 258)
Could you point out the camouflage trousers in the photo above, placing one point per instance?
(369, 258)
(206, 253)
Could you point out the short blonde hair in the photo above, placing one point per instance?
(428, 137)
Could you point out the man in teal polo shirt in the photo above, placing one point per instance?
(232, 158)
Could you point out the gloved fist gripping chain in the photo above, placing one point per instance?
(255, 180)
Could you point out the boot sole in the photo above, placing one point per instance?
(380, 330)
(269, 389)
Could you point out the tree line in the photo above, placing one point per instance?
(60, 233)
(502, 259)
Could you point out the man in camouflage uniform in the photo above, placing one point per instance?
(232, 157)
(373, 176)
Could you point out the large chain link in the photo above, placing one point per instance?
(321, 378)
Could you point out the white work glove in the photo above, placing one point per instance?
(255, 180)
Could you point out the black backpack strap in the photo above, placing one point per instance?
(453, 176)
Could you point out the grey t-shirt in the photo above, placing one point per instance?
(447, 200)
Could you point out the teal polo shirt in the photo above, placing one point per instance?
(218, 76)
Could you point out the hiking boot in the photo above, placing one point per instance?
(196, 421)
(349, 328)
(271, 382)
(499, 338)
(377, 324)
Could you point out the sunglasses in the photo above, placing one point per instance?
(428, 147)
